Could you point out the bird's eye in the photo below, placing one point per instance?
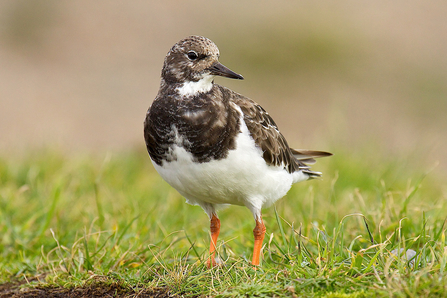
(192, 55)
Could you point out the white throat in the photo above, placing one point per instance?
(194, 88)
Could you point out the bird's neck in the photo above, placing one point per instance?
(191, 88)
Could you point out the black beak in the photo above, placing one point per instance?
(218, 69)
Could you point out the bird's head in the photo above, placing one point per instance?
(194, 59)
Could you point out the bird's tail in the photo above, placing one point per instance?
(306, 158)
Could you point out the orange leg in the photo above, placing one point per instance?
(258, 232)
(215, 229)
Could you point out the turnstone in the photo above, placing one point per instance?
(215, 146)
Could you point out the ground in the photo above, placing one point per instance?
(94, 290)
(107, 224)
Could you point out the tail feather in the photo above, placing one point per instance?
(307, 157)
(312, 174)
(301, 154)
(307, 161)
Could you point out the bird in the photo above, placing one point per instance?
(217, 147)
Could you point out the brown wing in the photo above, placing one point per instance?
(267, 136)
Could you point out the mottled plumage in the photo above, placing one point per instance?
(215, 146)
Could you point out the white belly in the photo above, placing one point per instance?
(242, 178)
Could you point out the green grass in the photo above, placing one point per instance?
(73, 221)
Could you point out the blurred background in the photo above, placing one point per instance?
(80, 75)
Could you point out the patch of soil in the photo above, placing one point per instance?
(93, 290)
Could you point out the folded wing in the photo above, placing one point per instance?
(276, 151)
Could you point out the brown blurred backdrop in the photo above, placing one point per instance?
(80, 75)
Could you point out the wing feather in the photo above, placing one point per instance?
(276, 151)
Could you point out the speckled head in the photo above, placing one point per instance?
(193, 59)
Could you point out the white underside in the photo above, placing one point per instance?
(242, 178)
